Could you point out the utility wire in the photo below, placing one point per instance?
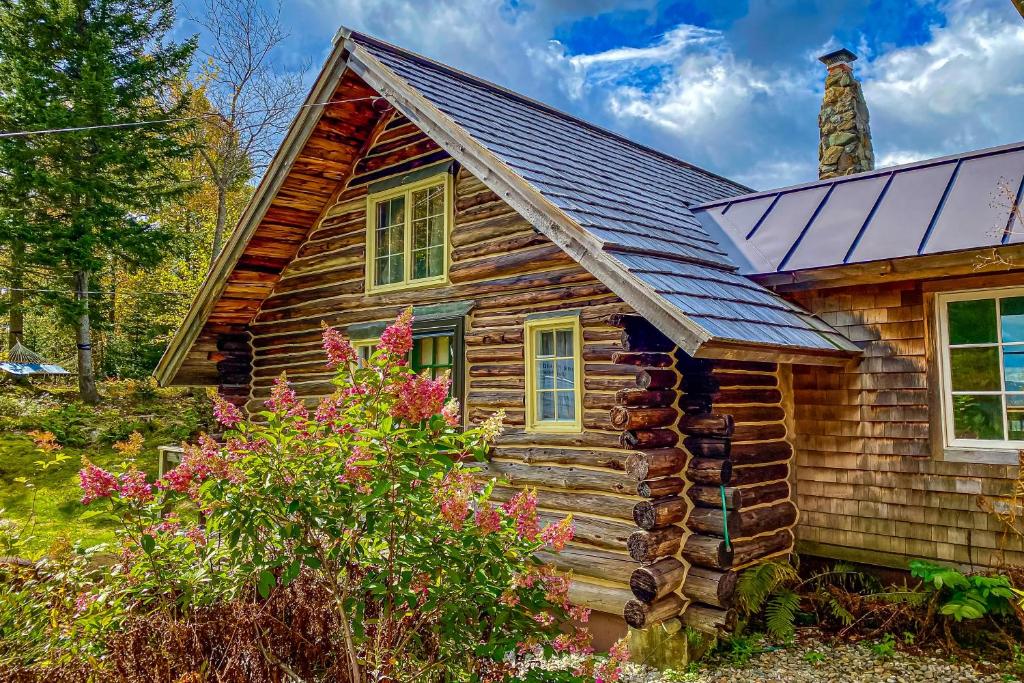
(199, 117)
(68, 291)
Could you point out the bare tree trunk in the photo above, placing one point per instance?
(83, 337)
(222, 219)
(16, 319)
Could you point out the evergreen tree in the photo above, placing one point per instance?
(82, 198)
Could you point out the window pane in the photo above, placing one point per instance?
(564, 374)
(435, 261)
(437, 200)
(972, 322)
(420, 204)
(419, 234)
(566, 405)
(546, 405)
(546, 374)
(974, 369)
(564, 346)
(1015, 417)
(978, 417)
(442, 355)
(1013, 368)
(1011, 318)
(545, 343)
(436, 230)
(419, 265)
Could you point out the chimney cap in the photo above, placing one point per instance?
(837, 57)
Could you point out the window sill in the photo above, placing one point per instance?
(994, 456)
(405, 286)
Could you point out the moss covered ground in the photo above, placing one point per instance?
(42, 504)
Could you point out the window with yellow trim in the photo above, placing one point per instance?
(554, 398)
(407, 234)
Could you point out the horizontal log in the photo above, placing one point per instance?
(712, 424)
(655, 463)
(753, 549)
(659, 488)
(708, 446)
(710, 587)
(579, 502)
(596, 531)
(639, 614)
(742, 523)
(710, 620)
(736, 498)
(642, 418)
(649, 340)
(648, 546)
(645, 398)
(654, 581)
(657, 379)
(610, 459)
(599, 597)
(643, 360)
(592, 562)
(726, 379)
(708, 551)
(650, 514)
(758, 474)
(511, 263)
(739, 453)
(709, 471)
(759, 432)
(569, 478)
(587, 439)
(644, 439)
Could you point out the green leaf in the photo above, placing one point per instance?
(148, 543)
(265, 584)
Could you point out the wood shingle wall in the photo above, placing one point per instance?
(871, 483)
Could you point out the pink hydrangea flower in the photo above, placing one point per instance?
(450, 413)
(420, 397)
(355, 474)
(282, 396)
(133, 486)
(522, 507)
(83, 602)
(96, 483)
(452, 497)
(227, 413)
(196, 535)
(488, 519)
(339, 349)
(397, 338)
(557, 535)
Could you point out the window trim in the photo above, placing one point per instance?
(553, 323)
(406, 190)
(969, 450)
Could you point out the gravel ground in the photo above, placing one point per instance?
(812, 661)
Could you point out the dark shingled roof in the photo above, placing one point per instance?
(634, 200)
(940, 205)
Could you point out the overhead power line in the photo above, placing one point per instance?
(154, 122)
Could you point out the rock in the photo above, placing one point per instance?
(841, 139)
(831, 155)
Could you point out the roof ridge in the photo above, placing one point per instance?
(529, 101)
(887, 170)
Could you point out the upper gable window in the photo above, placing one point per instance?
(982, 352)
(407, 234)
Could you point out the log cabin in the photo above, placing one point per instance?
(703, 375)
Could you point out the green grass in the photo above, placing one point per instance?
(49, 509)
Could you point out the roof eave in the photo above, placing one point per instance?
(216, 279)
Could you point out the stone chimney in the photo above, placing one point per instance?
(845, 145)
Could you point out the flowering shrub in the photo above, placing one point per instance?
(367, 500)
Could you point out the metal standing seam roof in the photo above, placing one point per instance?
(633, 199)
(939, 205)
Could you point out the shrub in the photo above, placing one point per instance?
(350, 541)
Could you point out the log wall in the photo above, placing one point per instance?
(873, 482)
(508, 270)
(711, 461)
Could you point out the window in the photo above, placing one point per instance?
(982, 347)
(407, 235)
(436, 349)
(553, 400)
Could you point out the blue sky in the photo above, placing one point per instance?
(731, 86)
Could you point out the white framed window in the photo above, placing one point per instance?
(554, 396)
(407, 235)
(981, 347)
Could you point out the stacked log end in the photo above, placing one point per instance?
(233, 359)
(733, 426)
(711, 461)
